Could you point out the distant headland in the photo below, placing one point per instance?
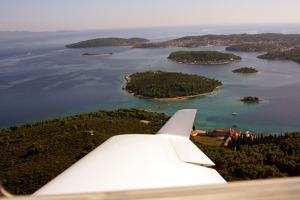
(203, 57)
(168, 85)
(266, 42)
(112, 41)
(293, 54)
(284, 46)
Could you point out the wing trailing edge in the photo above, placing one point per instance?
(178, 130)
(190, 153)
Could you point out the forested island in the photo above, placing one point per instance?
(203, 57)
(293, 55)
(112, 41)
(245, 70)
(37, 148)
(250, 99)
(245, 42)
(169, 85)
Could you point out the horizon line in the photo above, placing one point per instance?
(153, 27)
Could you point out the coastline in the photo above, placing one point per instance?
(127, 78)
(205, 63)
(180, 98)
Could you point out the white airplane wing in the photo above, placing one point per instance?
(130, 162)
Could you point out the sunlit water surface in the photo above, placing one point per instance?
(40, 79)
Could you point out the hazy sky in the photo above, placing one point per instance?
(52, 15)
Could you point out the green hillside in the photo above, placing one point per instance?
(34, 153)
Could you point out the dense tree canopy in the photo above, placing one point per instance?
(34, 153)
(245, 70)
(259, 157)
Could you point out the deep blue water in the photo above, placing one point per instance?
(40, 79)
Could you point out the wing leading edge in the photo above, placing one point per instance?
(131, 162)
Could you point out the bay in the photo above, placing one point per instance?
(41, 79)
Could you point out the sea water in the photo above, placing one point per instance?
(41, 79)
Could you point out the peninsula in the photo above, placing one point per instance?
(247, 42)
(245, 70)
(203, 57)
(293, 55)
(252, 47)
(112, 41)
(168, 85)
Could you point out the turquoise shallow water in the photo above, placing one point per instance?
(40, 80)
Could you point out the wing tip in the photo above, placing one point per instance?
(180, 124)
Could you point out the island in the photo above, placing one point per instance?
(112, 41)
(96, 54)
(293, 54)
(168, 85)
(203, 57)
(245, 70)
(250, 99)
